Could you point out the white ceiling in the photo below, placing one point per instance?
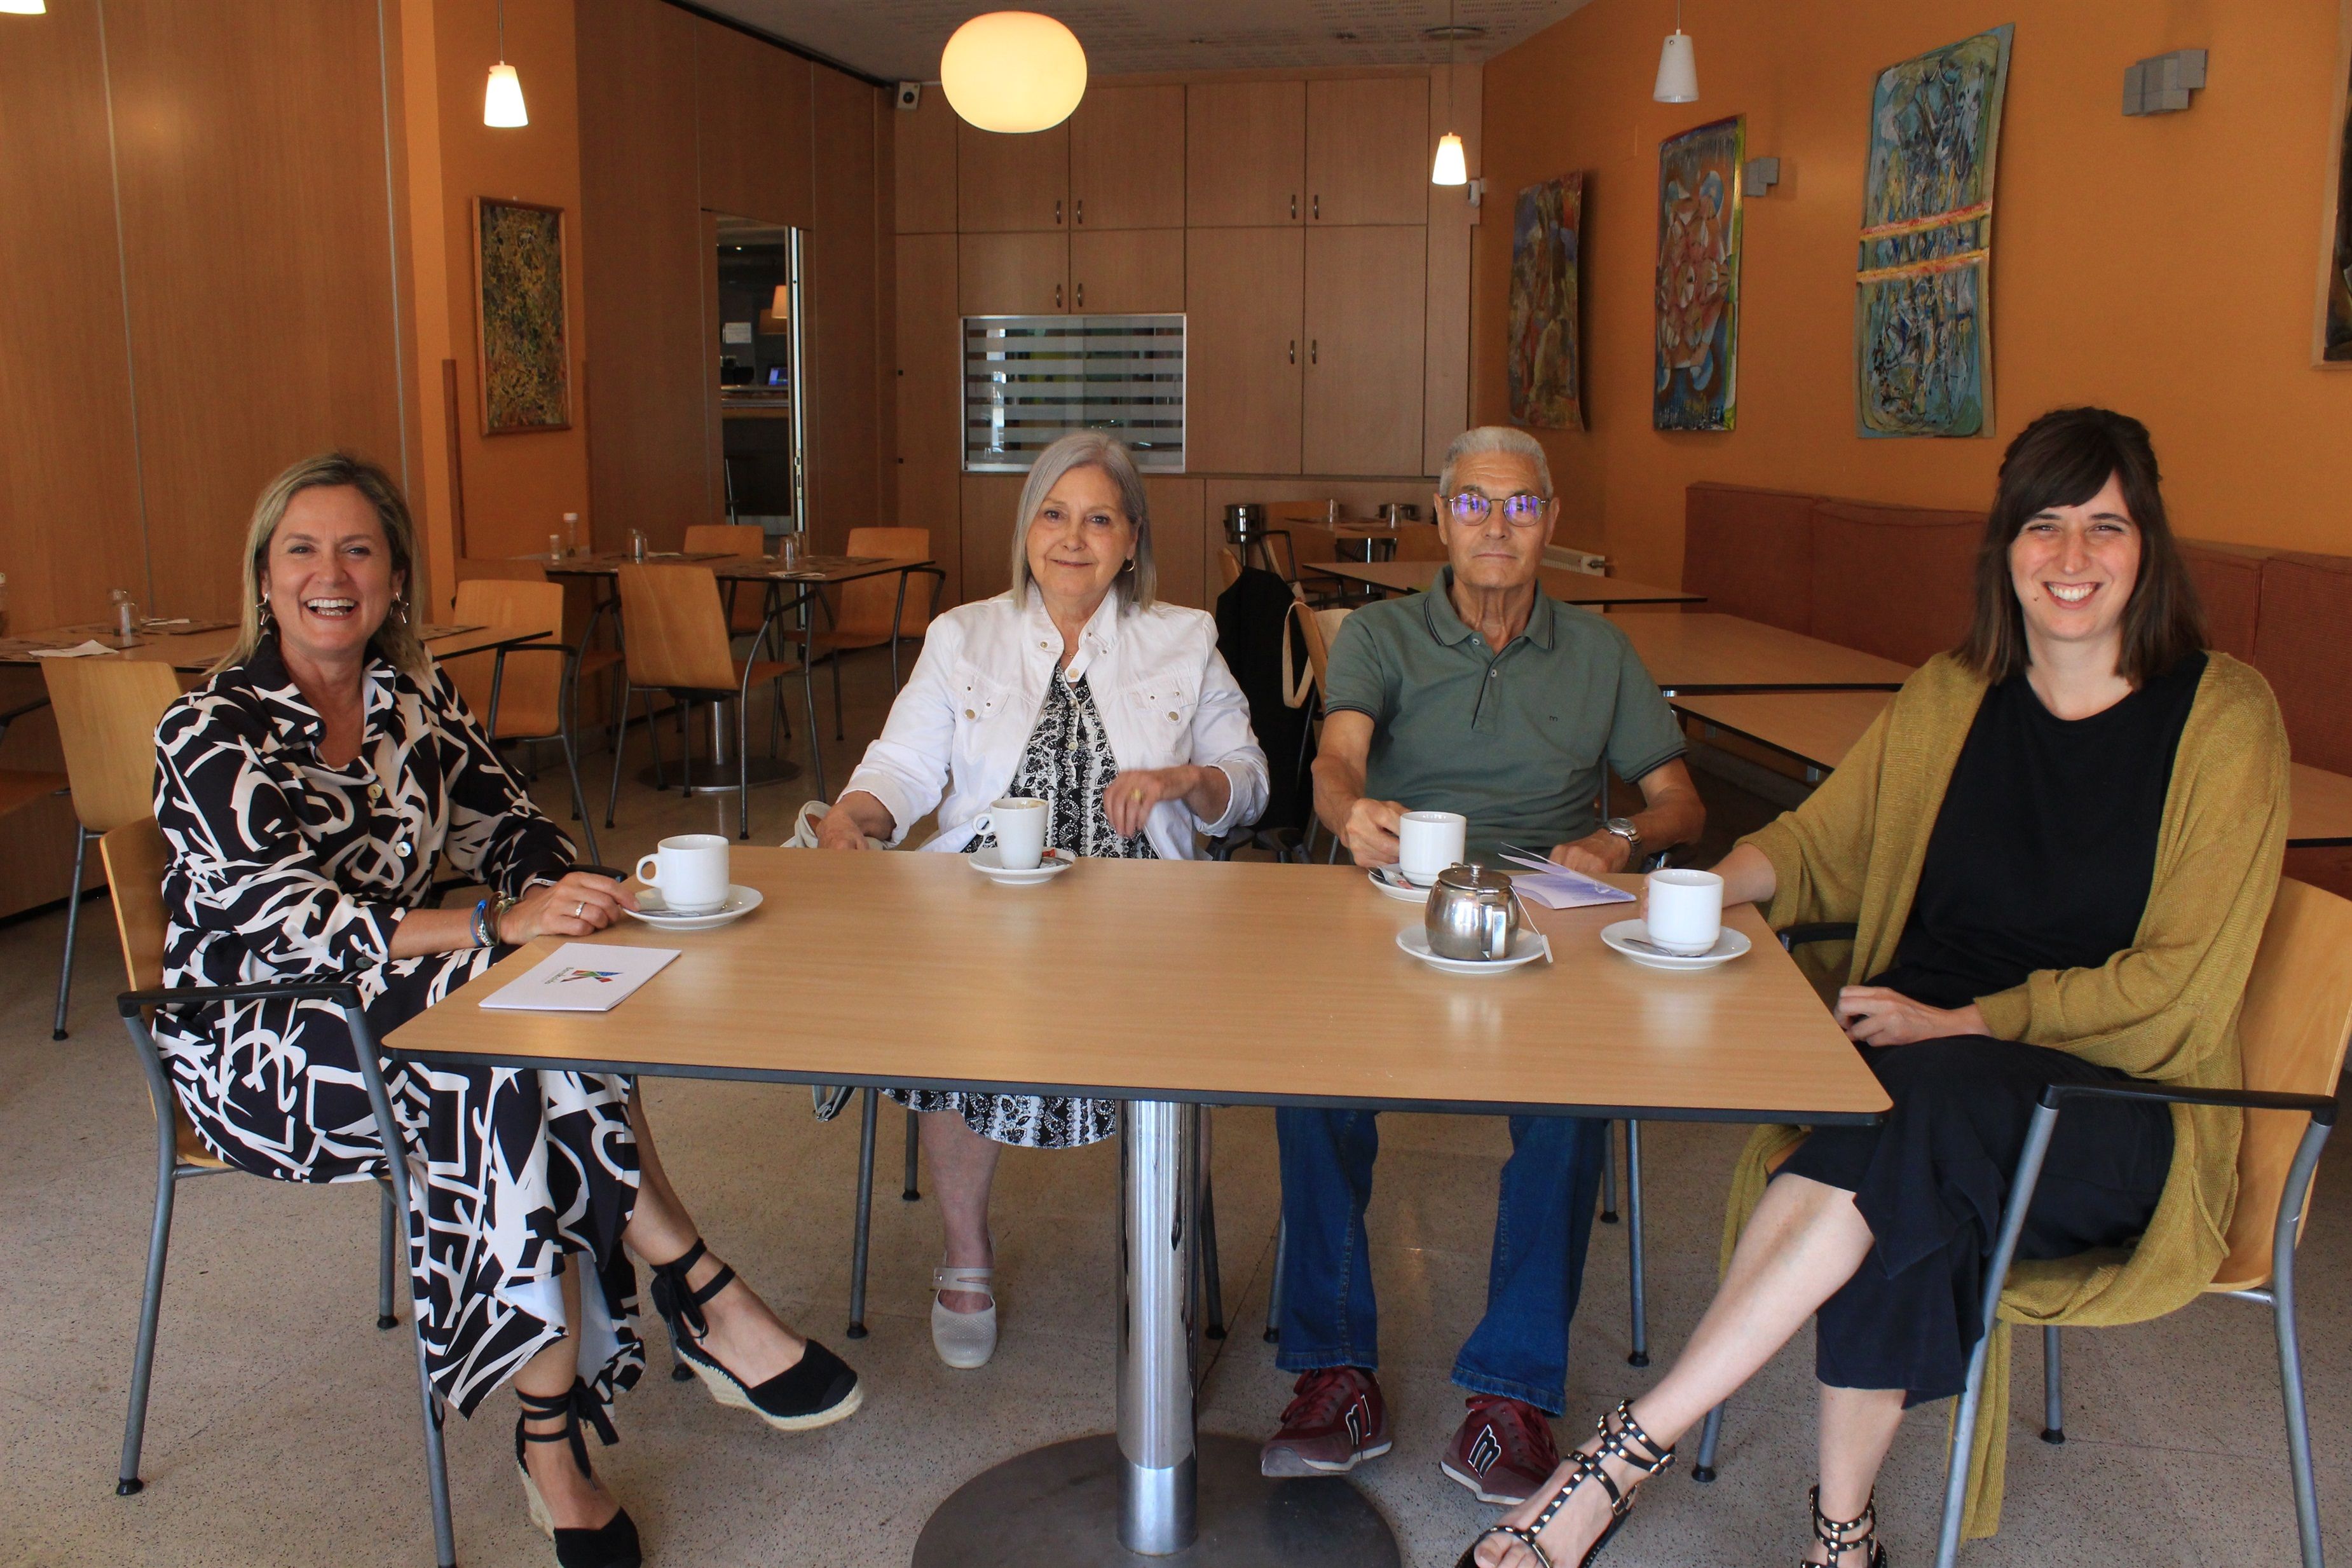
(899, 40)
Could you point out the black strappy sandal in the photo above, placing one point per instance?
(1837, 1534)
(1628, 1443)
(615, 1543)
(815, 1391)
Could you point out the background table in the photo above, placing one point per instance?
(196, 651)
(1704, 652)
(1818, 729)
(1568, 587)
(913, 969)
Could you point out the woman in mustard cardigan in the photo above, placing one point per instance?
(2058, 844)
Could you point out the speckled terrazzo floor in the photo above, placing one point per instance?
(283, 1425)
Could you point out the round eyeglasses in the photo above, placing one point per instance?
(1522, 510)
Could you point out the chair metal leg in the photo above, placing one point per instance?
(863, 1242)
(620, 745)
(914, 1156)
(579, 801)
(2298, 1421)
(1609, 1172)
(1964, 1424)
(387, 1258)
(1274, 1287)
(159, 1248)
(743, 766)
(1641, 1352)
(1710, 1435)
(73, 926)
(2053, 1388)
(685, 745)
(1212, 1284)
(816, 748)
(837, 732)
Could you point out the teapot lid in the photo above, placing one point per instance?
(1475, 876)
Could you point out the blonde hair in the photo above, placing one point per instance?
(1088, 449)
(397, 638)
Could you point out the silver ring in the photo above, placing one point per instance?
(580, 910)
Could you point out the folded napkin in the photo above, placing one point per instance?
(1555, 886)
(90, 650)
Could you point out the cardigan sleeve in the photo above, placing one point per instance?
(2205, 911)
(1821, 851)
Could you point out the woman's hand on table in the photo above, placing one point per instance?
(837, 830)
(581, 905)
(1874, 1015)
(1131, 796)
(854, 819)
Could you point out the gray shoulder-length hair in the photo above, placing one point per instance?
(1088, 449)
(396, 639)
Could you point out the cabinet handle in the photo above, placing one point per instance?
(1293, 206)
(1082, 296)
(1294, 351)
(1082, 212)
(1057, 212)
(1057, 296)
(1319, 206)
(1314, 350)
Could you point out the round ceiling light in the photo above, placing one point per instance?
(1013, 71)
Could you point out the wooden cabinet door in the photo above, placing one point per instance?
(924, 153)
(1367, 151)
(1366, 315)
(930, 384)
(1127, 272)
(1244, 153)
(1243, 359)
(1127, 158)
(989, 502)
(1008, 184)
(1013, 275)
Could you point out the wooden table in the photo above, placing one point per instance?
(1568, 587)
(1704, 652)
(913, 969)
(1818, 729)
(196, 651)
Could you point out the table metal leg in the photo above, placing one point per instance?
(1158, 1471)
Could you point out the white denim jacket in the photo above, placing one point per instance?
(958, 728)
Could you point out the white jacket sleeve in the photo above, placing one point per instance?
(1222, 738)
(905, 768)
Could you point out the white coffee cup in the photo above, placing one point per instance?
(1019, 824)
(1683, 911)
(1429, 841)
(690, 869)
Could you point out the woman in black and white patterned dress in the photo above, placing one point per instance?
(306, 789)
(1077, 688)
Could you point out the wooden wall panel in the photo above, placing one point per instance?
(647, 271)
(69, 502)
(930, 398)
(1178, 553)
(754, 126)
(257, 244)
(989, 500)
(845, 351)
(925, 165)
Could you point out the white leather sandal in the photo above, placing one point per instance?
(964, 1340)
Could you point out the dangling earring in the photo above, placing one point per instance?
(261, 611)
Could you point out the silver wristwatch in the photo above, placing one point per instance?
(1625, 828)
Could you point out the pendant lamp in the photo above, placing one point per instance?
(780, 306)
(1450, 167)
(24, 7)
(1013, 71)
(502, 100)
(1677, 67)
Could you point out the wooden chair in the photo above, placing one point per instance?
(106, 712)
(2293, 1024)
(746, 604)
(678, 644)
(529, 698)
(494, 569)
(873, 611)
(1229, 566)
(1419, 541)
(21, 787)
(136, 856)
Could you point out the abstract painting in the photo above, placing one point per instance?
(2336, 307)
(524, 370)
(1545, 282)
(1922, 335)
(1697, 380)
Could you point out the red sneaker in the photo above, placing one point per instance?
(1337, 1421)
(1503, 1451)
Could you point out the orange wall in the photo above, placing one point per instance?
(2166, 266)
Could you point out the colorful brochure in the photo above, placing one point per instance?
(581, 978)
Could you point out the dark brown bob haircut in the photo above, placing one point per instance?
(2062, 459)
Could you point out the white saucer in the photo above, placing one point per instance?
(740, 901)
(1390, 880)
(1526, 949)
(1624, 936)
(988, 864)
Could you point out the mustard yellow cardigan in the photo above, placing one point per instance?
(2165, 1008)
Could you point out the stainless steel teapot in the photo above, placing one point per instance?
(1474, 913)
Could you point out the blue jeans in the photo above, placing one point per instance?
(1543, 1220)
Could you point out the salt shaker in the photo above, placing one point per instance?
(126, 613)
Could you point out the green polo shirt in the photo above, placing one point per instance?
(1515, 741)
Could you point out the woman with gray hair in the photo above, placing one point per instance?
(1079, 688)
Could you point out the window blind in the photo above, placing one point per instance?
(1030, 379)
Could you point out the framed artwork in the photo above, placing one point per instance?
(1922, 326)
(1698, 382)
(524, 367)
(2335, 345)
(1547, 283)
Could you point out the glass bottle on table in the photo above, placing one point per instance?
(126, 616)
(570, 534)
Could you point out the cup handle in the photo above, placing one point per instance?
(983, 824)
(646, 866)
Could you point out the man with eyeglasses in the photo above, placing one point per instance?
(1487, 697)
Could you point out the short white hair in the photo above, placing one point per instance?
(1088, 449)
(1481, 440)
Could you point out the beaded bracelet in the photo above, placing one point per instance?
(482, 924)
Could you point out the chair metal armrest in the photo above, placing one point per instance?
(343, 993)
(2320, 1107)
(1819, 931)
(21, 709)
